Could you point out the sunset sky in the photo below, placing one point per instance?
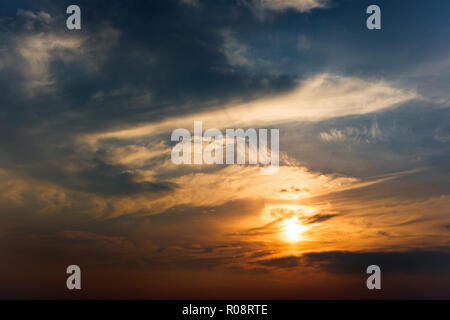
(86, 176)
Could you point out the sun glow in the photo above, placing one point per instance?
(293, 231)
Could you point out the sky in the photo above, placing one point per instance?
(86, 176)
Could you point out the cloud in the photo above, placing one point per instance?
(135, 155)
(36, 46)
(319, 218)
(193, 3)
(362, 134)
(315, 99)
(346, 262)
(236, 182)
(284, 262)
(332, 135)
(283, 5)
(237, 53)
(439, 136)
(37, 52)
(303, 43)
(342, 262)
(99, 188)
(318, 98)
(32, 20)
(104, 179)
(90, 238)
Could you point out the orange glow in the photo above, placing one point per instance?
(293, 230)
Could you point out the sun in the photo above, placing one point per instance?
(293, 231)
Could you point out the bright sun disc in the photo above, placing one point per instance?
(293, 231)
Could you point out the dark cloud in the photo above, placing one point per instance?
(396, 262)
(105, 179)
(134, 62)
(142, 61)
(319, 218)
(284, 262)
(343, 262)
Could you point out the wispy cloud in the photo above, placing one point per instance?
(260, 6)
(321, 97)
(365, 134)
(36, 46)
